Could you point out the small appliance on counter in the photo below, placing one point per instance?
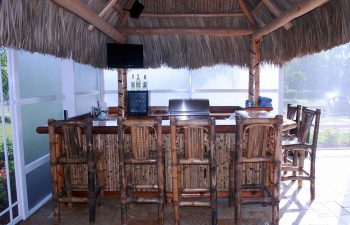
(189, 109)
(137, 103)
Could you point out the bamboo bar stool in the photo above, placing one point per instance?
(299, 146)
(258, 146)
(72, 156)
(193, 145)
(294, 113)
(138, 150)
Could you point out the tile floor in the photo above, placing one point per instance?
(331, 206)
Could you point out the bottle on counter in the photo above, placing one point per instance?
(132, 82)
(144, 83)
(138, 83)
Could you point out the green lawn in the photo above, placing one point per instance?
(8, 130)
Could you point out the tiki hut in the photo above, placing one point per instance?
(179, 34)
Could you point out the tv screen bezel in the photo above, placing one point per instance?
(124, 55)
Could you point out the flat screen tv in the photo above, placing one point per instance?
(124, 55)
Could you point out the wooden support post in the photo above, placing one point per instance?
(254, 70)
(122, 81)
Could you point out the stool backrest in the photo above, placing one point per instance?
(75, 137)
(294, 113)
(140, 129)
(197, 135)
(258, 137)
(309, 118)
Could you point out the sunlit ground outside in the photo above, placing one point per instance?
(4, 194)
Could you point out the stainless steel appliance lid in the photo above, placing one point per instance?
(189, 106)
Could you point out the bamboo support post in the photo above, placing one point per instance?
(122, 91)
(254, 70)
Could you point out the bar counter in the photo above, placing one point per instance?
(106, 143)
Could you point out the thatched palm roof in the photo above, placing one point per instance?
(43, 26)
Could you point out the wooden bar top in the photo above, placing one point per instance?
(227, 125)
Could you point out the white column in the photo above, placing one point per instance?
(68, 86)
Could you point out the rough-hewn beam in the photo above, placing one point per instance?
(247, 13)
(126, 16)
(223, 32)
(298, 10)
(270, 4)
(81, 10)
(104, 11)
(119, 10)
(257, 7)
(203, 15)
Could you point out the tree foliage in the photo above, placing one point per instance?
(326, 71)
(4, 75)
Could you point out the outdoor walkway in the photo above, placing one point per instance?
(331, 206)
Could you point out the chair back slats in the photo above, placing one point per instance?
(254, 146)
(139, 130)
(73, 142)
(140, 142)
(76, 138)
(294, 113)
(194, 142)
(307, 121)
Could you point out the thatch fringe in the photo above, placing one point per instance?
(41, 26)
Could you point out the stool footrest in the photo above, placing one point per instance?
(194, 203)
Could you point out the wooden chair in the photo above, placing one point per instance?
(294, 113)
(193, 145)
(71, 155)
(299, 145)
(258, 146)
(136, 148)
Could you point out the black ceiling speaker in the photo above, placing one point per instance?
(136, 9)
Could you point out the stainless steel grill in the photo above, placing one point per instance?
(189, 109)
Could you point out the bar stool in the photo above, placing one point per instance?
(258, 146)
(294, 113)
(299, 146)
(193, 145)
(140, 143)
(71, 155)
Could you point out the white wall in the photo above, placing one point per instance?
(41, 87)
